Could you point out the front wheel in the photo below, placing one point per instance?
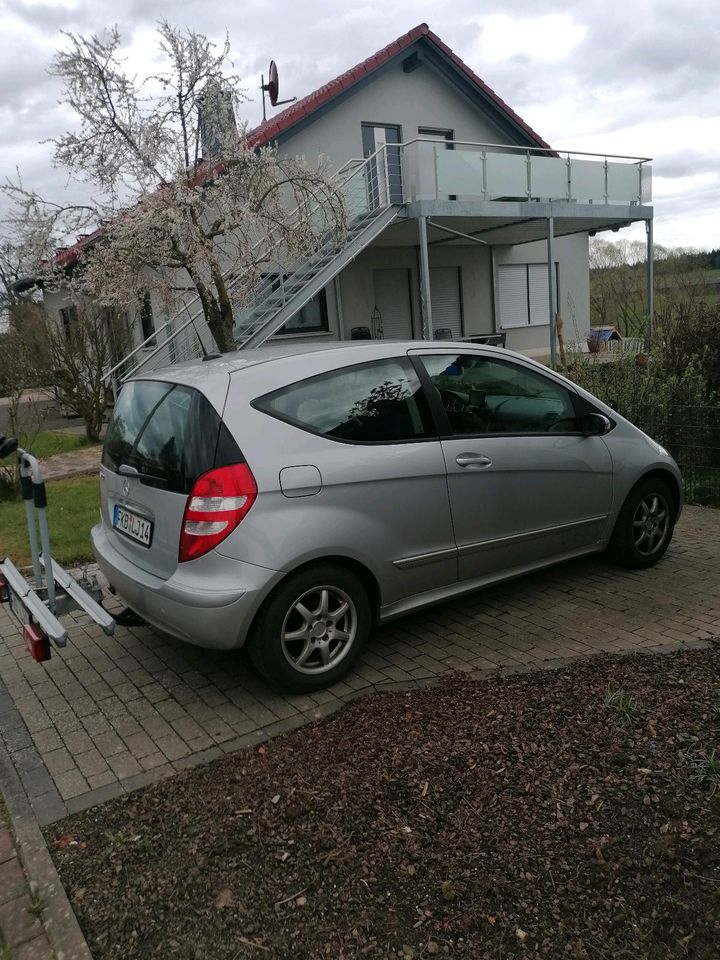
(644, 526)
(311, 630)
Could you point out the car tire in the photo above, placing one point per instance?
(644, 525)
(311, 629)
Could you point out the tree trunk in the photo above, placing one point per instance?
(221, 325)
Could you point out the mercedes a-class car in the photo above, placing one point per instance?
(291, 498)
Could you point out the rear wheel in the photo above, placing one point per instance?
(644, 526)
(311, 630)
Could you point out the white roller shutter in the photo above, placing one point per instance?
(445, 300)
(392, 298)
(538, 292)
(512, 294)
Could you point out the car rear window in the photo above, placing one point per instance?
(377, 402)
(171, 434)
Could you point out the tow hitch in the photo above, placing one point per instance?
(39, 607)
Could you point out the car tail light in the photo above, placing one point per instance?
(217, 503)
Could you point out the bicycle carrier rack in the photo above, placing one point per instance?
(56, 592)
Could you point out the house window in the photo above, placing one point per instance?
(385, 175)
(147, 320)
(523, 294)
(312, 318)
(430, 133)
(436, 136)
(69, 317)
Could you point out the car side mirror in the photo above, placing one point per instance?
(595, 424)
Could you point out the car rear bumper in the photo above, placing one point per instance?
(216, 617)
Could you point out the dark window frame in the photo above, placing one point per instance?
(321, 298)
(427, 416)
(147, 321)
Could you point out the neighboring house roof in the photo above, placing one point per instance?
(282, 122)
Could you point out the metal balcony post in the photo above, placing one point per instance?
(551, 288)
(605, 166)
(425, 303)
(650, 281)
(528, 172)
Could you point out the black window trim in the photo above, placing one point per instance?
(442, 420)
(259, 404)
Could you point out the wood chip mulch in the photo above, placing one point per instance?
(515, 816)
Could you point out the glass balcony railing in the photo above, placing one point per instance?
(442, 170)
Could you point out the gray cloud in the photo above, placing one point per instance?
(637, 64)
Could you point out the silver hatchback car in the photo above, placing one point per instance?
(290, 498)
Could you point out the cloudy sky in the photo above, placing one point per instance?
(639, 77)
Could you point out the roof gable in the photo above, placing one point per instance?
(301, 112)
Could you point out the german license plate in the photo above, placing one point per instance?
(17, 608)
(133, 526)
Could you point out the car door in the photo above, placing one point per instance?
(526, 485)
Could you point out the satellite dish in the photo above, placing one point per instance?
(272, 87)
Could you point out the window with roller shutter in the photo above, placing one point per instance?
(523, 294)
(446, 302)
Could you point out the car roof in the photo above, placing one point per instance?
(342, 351)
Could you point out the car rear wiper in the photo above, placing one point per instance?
(125, 470)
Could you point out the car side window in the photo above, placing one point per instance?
(376, 402)
(482, 395)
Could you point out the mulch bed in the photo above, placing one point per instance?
(513, 816)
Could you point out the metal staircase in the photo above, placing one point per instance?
(286, 291)
(372, 192)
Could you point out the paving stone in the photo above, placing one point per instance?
(48, 807)
(70, 784)
(153, 760)
(7, 847)
(173, 747)
(124, 765)
(59, 761)
(37, 949)
(12, 881)
(17, 922)
(108, 744)
(91, 763)
(96, 780)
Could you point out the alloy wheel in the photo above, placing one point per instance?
(319, 629)
(651, 524)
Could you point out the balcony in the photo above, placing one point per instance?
(433, 170)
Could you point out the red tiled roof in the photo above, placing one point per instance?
(272, 128)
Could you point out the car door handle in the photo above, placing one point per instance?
(472, 460)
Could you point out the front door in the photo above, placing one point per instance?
(526, 486)
(385, 175)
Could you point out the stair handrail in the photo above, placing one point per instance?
(107, 375)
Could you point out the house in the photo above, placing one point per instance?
(458, 208)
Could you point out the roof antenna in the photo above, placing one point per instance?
(272, 87)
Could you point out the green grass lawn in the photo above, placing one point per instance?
(73, 508)
(49, 442)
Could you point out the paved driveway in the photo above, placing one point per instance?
(108, 715)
